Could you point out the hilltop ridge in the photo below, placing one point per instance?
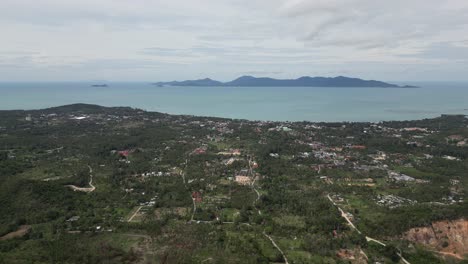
(305, 81)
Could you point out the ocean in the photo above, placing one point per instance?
(253, 103)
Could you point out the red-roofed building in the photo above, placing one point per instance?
(197, 197)
(358, 147)
(124, 153)
(199, 151)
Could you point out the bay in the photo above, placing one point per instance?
(253, 103)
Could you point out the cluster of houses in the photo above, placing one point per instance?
(232, 152)
(150, 203)
(155, 174)
(392, 201)
(243, 180)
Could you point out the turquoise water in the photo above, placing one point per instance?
(254, 103)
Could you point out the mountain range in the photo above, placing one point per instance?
(306, 81)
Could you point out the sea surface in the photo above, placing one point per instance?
(253, 103)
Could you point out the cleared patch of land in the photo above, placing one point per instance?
(22, 231)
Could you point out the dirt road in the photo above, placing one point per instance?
(277, 247)
(91, 187)
(368, 239)
(134, 214)
(22, 230)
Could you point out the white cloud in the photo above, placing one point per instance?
(179, 39)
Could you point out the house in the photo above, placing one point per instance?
(229, 161)
(73, 218)
(414, 144)
(234, 152)
(124, 153)
(199, 151)
(197, 197)
(254, 164)
(450, 158)
(243, 180)
(428, 156)
(400, 177)
(379, 156)
(358, 147)
(414, 129)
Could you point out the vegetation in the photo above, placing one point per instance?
(92, 184)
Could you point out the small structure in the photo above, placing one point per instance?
(197, 197)
(455, 137)
(243, 180)
(73, 218)
(359, 147)
(233, 152)
(399, 177)
(199, 151)
(447, 157)
(124, 153)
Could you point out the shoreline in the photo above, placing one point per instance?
(230, 118)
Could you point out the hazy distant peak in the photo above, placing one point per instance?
(304, 81)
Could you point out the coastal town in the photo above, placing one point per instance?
(158, 188)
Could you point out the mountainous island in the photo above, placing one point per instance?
(306, 81)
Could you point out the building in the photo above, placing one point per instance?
(243, 180)
(124, 153)
(197, 197)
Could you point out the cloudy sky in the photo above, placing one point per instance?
(159, 40)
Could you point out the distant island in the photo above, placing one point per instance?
(306, 81)
(99, 85)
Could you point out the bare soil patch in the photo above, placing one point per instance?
(449, 238)
(22, 231)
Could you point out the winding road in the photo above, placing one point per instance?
(276, 246)
(254, 205)
(92, 188)
(368, 239)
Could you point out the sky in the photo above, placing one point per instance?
(164, 40)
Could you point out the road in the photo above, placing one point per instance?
(91, 187)
(256, 200)
(254, 205)
(260, 213)
(134, 214)
(368, 239)
(194, 209)
(276, 246)
(182, 174)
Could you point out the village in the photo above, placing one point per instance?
(259, 183)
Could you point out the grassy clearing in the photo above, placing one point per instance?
(290, 221)
(229, 214)
(413, 172)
